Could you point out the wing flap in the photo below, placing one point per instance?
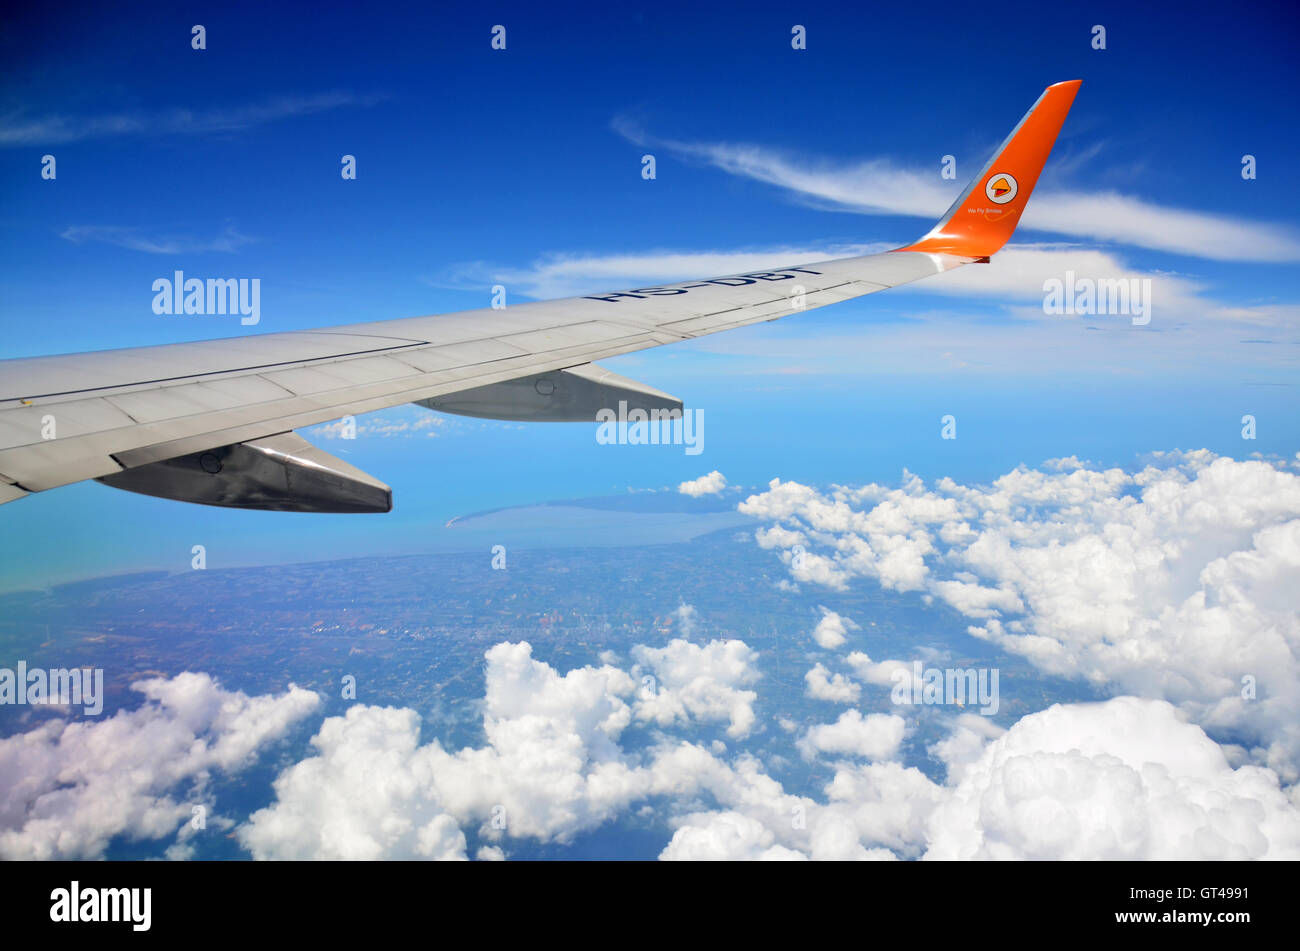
(281, 473)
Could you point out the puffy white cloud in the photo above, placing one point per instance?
(876, 736)
(551, 767)
(777, 536)
(365, 796)
(889, 541)
(1125, 779)
(822, 685)
(726, 836)
(976, 600)
(72, 786)
(832, 630)
(885, 673)
(965, 743)
(711, 484)
(1174, 582)
(703, 682)
(874, 808)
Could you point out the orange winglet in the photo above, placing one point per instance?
(983, 218)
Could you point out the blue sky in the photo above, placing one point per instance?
(523, 166)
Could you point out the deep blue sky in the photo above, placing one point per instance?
(477, 165)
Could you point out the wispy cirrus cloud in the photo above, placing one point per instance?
(880, 186)
(18, 129)
(227, 240)
(572, 274)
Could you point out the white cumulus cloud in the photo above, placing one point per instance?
(822, 685)
(72, 786)
(1125, 779)
(711, 484)
(708, 682)
(832, 630)
(876, 736)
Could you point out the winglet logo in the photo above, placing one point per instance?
(1001, 188)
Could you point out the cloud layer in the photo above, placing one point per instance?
(1175, 582)
(1128, 778)
(1165, 586)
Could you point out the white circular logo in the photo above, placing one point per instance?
(1001, 188)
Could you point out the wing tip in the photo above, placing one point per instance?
(982, 220)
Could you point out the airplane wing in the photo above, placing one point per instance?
(213, 422)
